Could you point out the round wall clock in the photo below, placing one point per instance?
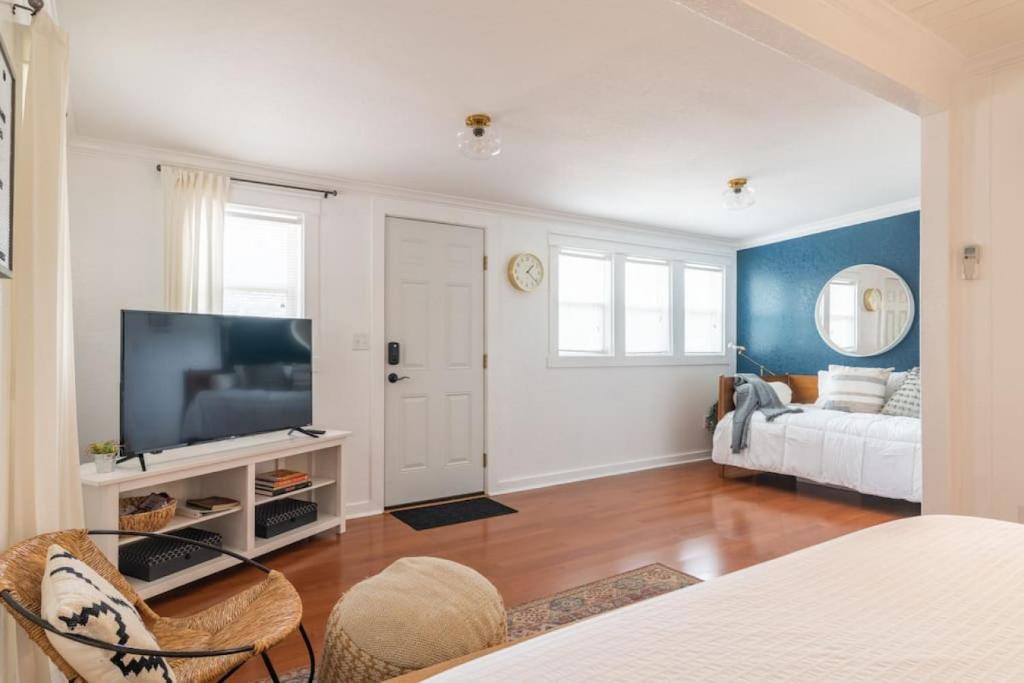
(872, 299)
(525, 272)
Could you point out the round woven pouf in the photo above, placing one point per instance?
(418, 612)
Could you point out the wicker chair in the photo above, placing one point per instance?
(202, 648)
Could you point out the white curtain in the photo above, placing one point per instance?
(39, 484)
(194, 203)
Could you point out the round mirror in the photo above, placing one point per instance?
(864, 310)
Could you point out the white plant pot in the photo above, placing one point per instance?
(105, 462)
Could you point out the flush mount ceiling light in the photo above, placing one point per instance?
(479, 139)
(739, 195)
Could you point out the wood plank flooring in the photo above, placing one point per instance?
(686, 517)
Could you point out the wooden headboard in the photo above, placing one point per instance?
(805, 389)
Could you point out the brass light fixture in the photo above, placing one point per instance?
(739, 195)
(479, 139)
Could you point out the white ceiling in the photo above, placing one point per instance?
(972, 26)
(629, 110)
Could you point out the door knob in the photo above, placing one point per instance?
(393, 377)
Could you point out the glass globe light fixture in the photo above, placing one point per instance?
(739, 195)
(479, 139)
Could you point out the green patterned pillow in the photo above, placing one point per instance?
(906, 402)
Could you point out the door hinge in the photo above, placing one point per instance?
(485, 460)
(485, 263)
(485, 361)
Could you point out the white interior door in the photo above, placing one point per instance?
(434, 417)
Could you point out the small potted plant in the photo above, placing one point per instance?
(104, 455)
(711, 419)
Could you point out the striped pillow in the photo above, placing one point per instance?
(856, 390)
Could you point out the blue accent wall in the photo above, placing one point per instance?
(778, 285)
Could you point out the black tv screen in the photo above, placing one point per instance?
(188, 378)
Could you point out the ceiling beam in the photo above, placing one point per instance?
(867, 43)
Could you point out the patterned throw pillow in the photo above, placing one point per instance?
(76, 599)
(856, 390)
(906, 402)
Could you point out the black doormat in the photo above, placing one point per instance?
(444, 514)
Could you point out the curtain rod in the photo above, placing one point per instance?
(325, 193)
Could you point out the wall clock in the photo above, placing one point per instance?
(872, 299)
(525, 272)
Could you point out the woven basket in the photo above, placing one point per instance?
(154, 520)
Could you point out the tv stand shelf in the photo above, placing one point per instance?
(223, 468)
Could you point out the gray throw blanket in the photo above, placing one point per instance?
(753, 393)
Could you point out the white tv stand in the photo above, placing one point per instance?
(222, 468)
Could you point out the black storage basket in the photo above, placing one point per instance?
(155, 558)
(280, 516)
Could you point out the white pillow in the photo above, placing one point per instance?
(76, 599)
(822, 388)
(856, 390)
(896, 379)
(906, 401)
(781, 389)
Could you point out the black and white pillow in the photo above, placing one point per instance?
(76, 599)
(906, 402)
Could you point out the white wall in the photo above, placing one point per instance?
(545, 425)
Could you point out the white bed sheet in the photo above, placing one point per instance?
(933, 598)
(875, 454)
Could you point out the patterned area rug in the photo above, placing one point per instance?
(594, 598)
(578, 603)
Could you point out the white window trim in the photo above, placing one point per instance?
(857, 296)
(621, 294)
(612, 317)
(726, 324)
(620, 252)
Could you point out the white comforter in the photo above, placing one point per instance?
(875, 454)
(931, 598)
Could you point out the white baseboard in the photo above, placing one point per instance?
(362, 508)
(367, 508)
(584, 473)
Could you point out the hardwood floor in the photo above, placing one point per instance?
(686, 517)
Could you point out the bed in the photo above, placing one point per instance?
(920, 599)
(874, 454)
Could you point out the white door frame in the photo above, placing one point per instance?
(382, 209)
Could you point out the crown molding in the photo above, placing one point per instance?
(100, 147)
(844, 221)
(154, 155)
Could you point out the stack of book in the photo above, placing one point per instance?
(197, 508)
(277, 482)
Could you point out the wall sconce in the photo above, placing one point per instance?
(742, 351)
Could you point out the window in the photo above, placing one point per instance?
(705, 315)
(263, 262)
(584, 303)
(842, 314)
(648, 295)
(618, 304)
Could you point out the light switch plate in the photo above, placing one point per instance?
(361, 341)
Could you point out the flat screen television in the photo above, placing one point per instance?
(187, 378)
